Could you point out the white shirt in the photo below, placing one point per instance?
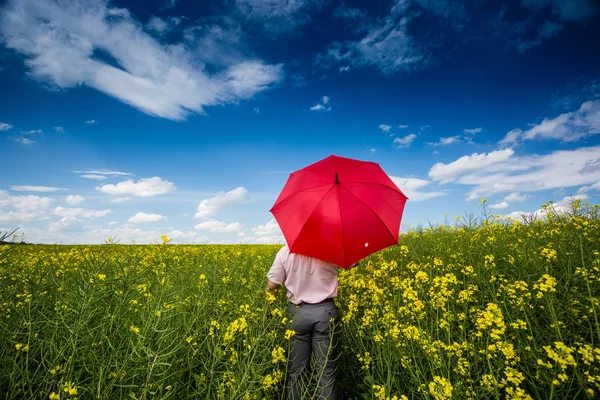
(307, 279)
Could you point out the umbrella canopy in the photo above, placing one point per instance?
(339, 210)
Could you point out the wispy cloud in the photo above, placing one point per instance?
(91, 122)
(276, 16)
(25, 141)
(445, 141)
(100, 174)
(567, 127)
(59, 129)
(4, 126)
(387, 46)
(58, 41)
(404, 141)
(566, 10)
(385, 128)
(323, 105)
(28, 188)
(547, 30)
(502, 172)
(472, 131)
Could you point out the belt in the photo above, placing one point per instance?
(327, 300)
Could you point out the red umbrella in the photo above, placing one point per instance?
(339, 210)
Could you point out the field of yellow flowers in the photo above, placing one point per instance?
(490, 309)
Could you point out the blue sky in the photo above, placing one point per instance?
(132, 119)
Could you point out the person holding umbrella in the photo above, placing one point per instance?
(332, 213)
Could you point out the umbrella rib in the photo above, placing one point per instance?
(297, 192)
(381, 184)
(377, 215)
(309, 217)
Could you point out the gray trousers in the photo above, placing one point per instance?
(315, 326)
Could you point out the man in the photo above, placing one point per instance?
(311, 287)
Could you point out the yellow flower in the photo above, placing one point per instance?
(278, 354)
(54, 396)
(440, 388)
(288, 334)
(134, 329)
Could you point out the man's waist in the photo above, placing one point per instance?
(327, 300)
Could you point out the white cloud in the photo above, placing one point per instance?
(25, 141)
(159, 25)
(402, 126)
(412, 187)
(209, 207)
(145, 187)
(268, 233)
(19, 208)
(472, 131)
(320, 107)
(388, 46)
(559, 207)
(385, 127)
(59, 41)
(372, 150)
(585, 189)
(502, 172)
(323, 106)
(218, 226)
(103, 172)
(143, 217)
(66, 224)
(118, 199)
(515, 197)
(444, 141)
(74, 199)
(511, 137)
(404, 141)
(94, 176)
(79, 212)
(345, 12)
(26, 188)
(276, 16)
(33, 132)
(567, 127)
(345, 69)
(257, 110)
(91, 122)
(449, 172)
(502, 204)
(59, 129)
(265, 233)
(4, 126)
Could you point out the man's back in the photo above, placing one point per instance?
(307, 279)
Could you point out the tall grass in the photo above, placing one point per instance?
(486, 310)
